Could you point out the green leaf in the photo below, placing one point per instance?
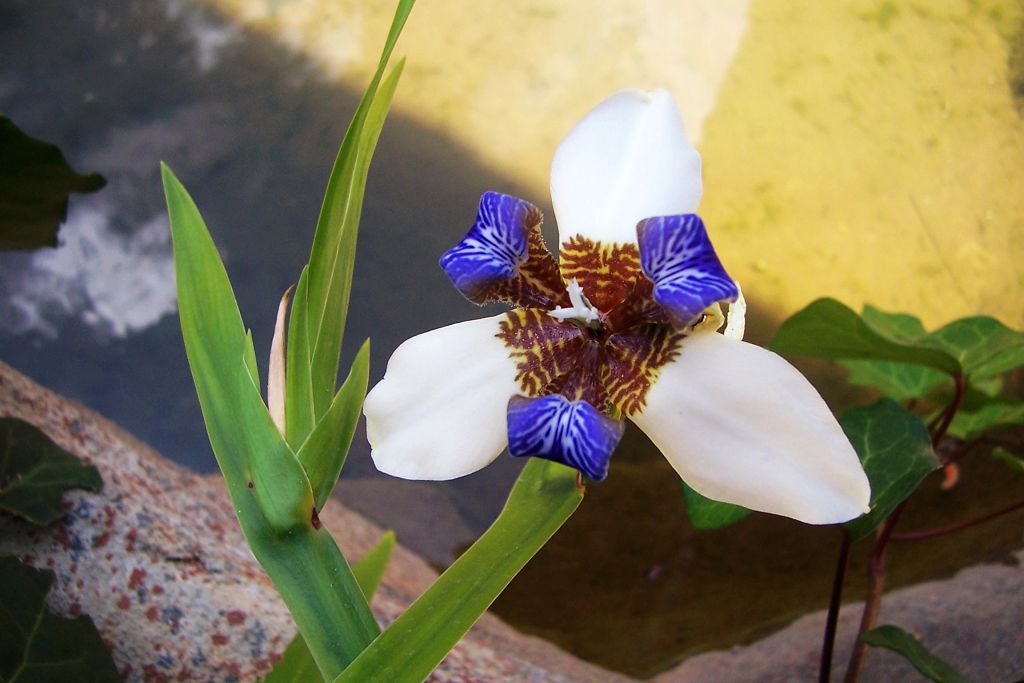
(544, 496)
(896, 452)
(984, 346)
(298, 405)
(38, 646)
(331, 261)
(369, 570)
(998, 412)
(705, 513)
(35, 472)
(827, 328)
(900, 326)
(880, 348)
(896, 639)
(35, 181)
(268, 486)
(898, 381)
(297, 665)
(323, 454)
(1015, 462)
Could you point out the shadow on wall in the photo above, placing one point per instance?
(251, 130)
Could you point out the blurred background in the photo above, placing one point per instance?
(872, 151)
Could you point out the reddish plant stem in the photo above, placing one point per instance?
(876, 565)
(952, 528)
(828, 644)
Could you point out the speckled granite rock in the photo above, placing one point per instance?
(159, 563)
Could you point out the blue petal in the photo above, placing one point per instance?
(676, 254)
(573, 433)
(494, 247)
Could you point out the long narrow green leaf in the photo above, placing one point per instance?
(297, 665)
(249, 357)
(542, 499)
(369, 570)
(332, 260)
(298, 405)
(323, 454)
(268, 487)
(333, 254)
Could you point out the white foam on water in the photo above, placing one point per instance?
(116, 283)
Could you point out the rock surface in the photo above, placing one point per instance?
(158, 561)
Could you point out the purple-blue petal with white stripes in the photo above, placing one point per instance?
(494, 246)
(573, 433)
(676, 254)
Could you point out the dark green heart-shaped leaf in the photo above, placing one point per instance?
(705, 513)
(896, 453)
(827, 328)
(35, 181)
(35, 472)
(931, 667)
(38, 646)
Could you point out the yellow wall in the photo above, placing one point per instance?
(870, 151)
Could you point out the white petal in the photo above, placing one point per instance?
(628, 159)
(741, 425)
(439, 412)
(737, 323)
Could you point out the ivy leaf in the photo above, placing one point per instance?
(35, 472)
(1015, 462)
(897, 325)
(998, 412)
(896, 452)
(827, 328)
(35, 181)
(706, 513)
(979, 347)
(899, 641)
(984, 346)
(38, 646)
(898, 381)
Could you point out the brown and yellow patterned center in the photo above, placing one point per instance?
(611, 366)
(607, 272)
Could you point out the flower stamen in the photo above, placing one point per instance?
(582, 312)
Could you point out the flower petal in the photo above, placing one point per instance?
(741, 425)
(503, 256)
(573, 433)
(676, 254)
(439, 412)
(628, 159)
